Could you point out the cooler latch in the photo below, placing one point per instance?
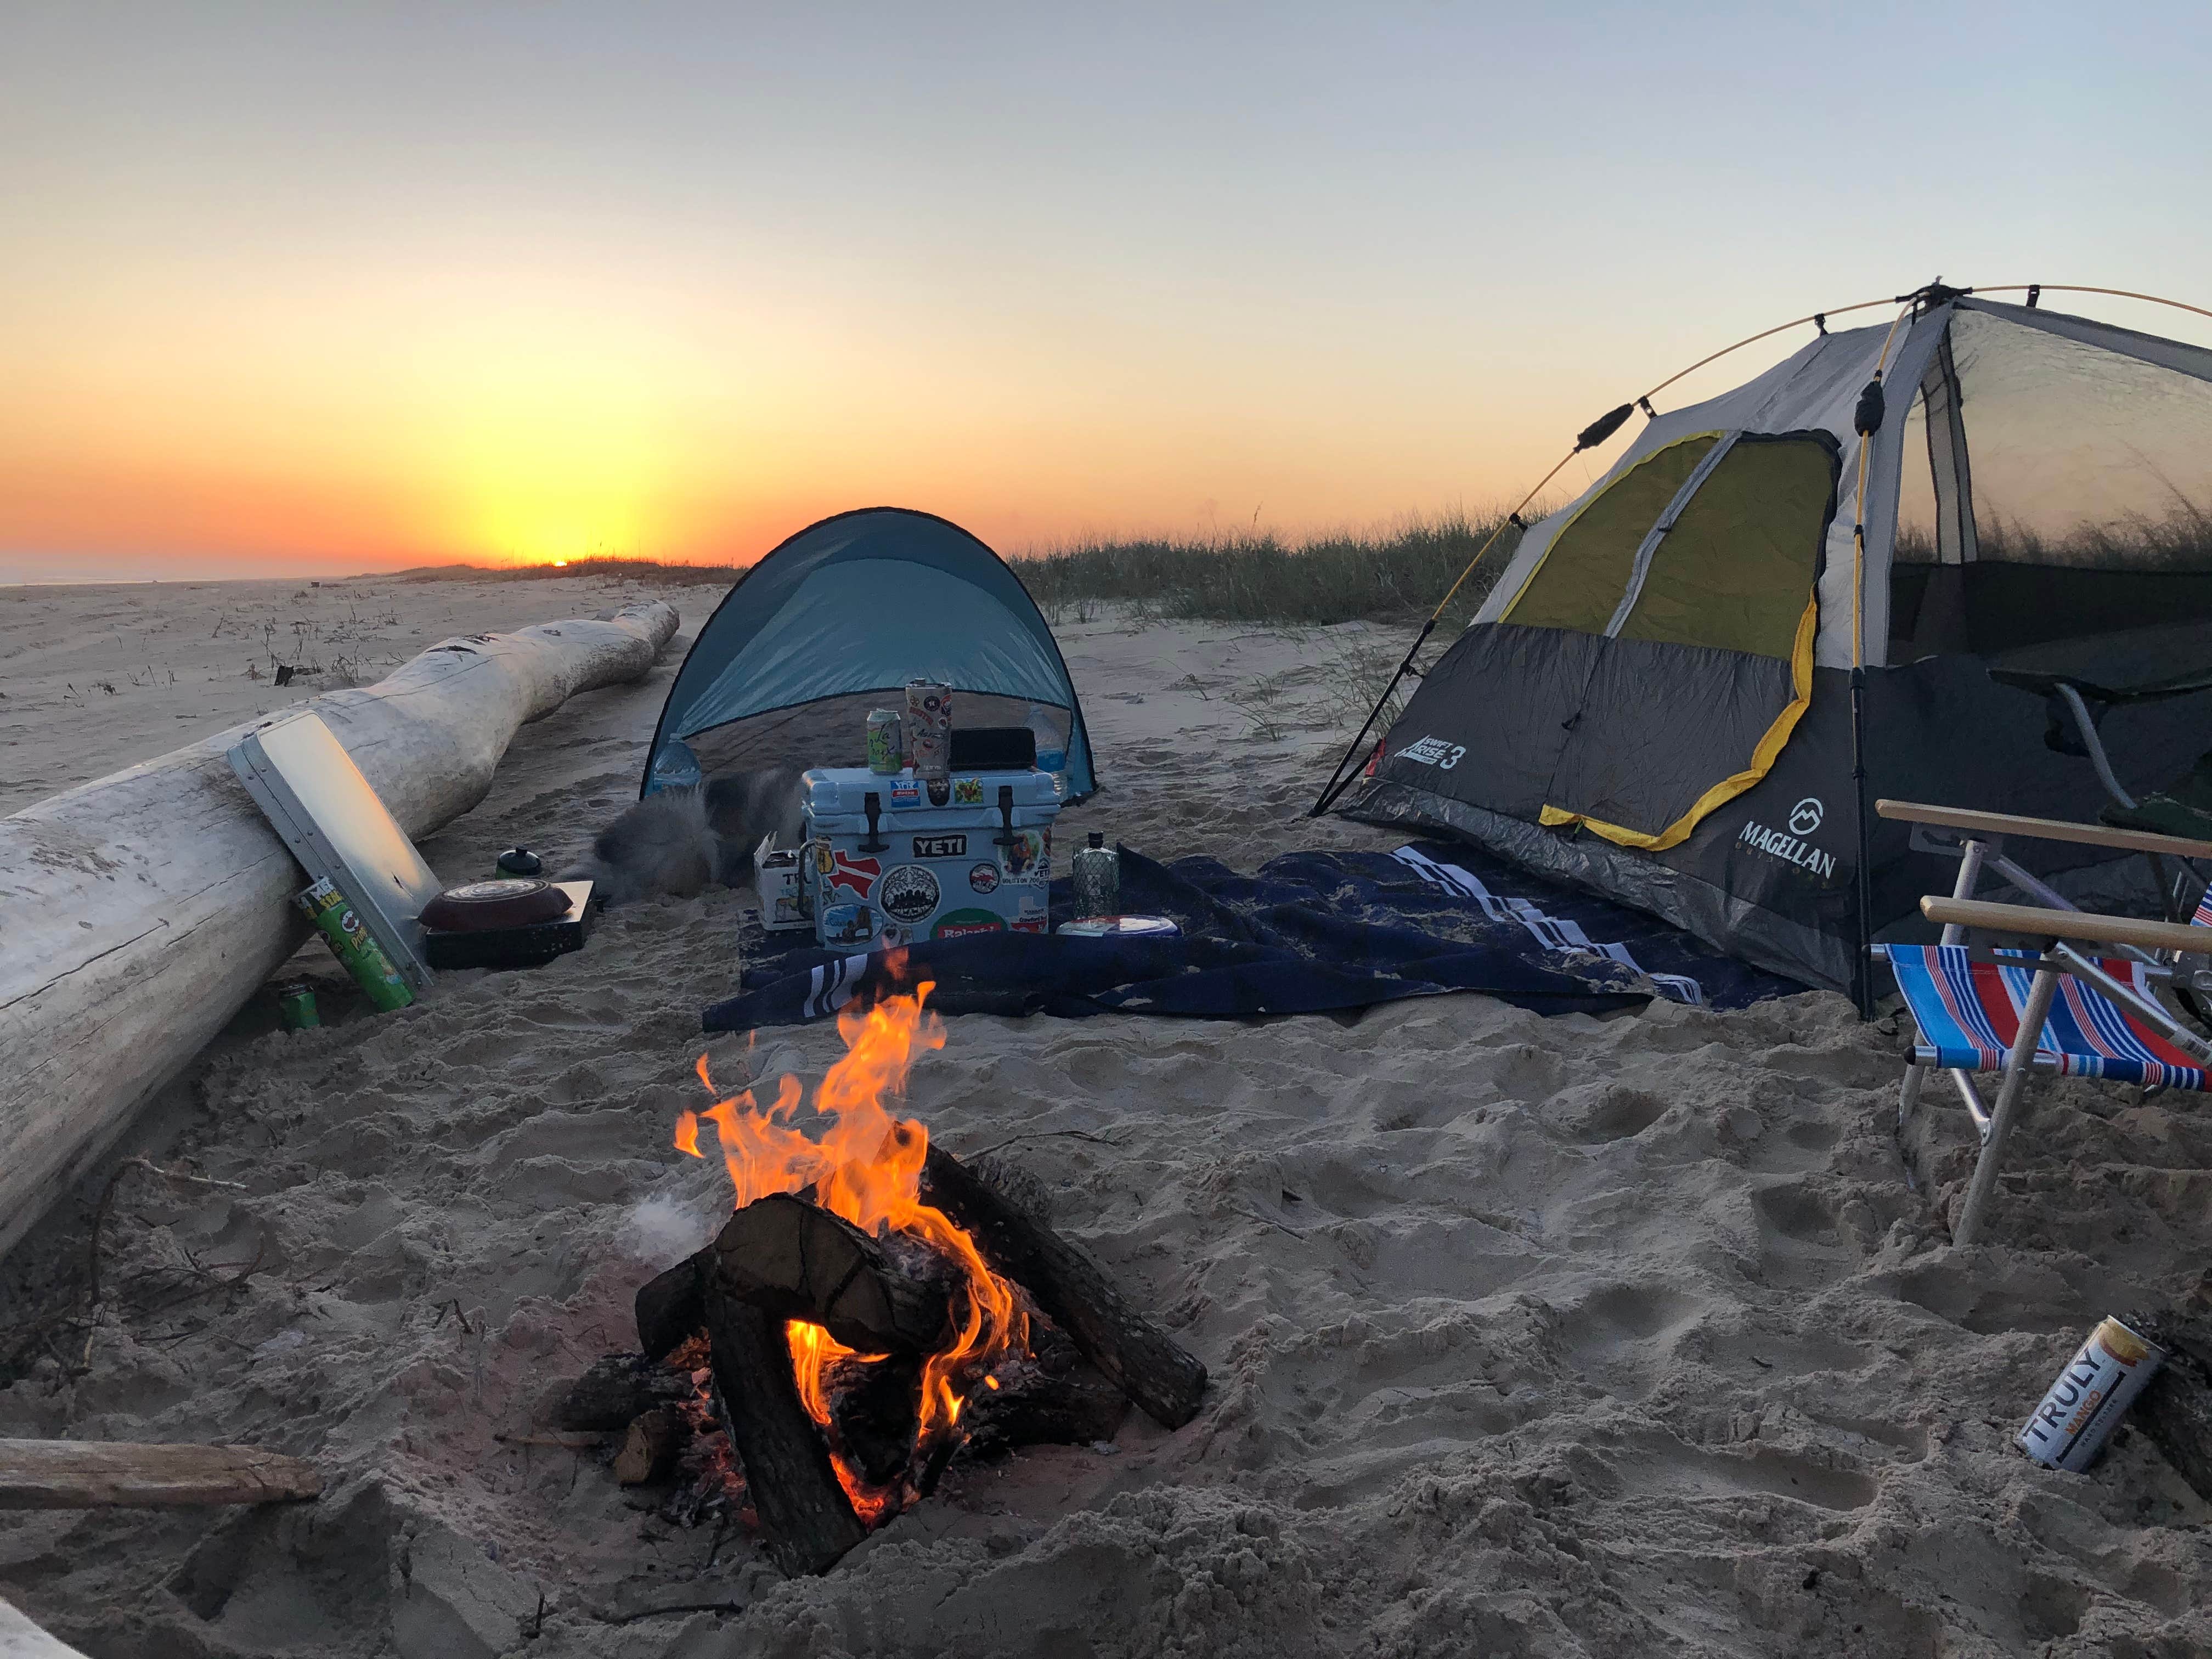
(1005, 836)
(872, 805)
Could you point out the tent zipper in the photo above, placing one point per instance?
(1649, 547)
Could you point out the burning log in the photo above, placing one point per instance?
(877, 1416)
(649, 1449)
(617, 1391)
(1145, 1362)
(794, 1260)
(671, 1308)
(809, 1520)
(82, 1474)
(1051, 1397)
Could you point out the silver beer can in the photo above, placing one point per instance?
(2100, 1383)
(929, 728)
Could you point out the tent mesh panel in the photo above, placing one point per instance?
(2051, 491)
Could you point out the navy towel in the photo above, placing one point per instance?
(1308, 932)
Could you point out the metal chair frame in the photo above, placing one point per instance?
(2177, 953)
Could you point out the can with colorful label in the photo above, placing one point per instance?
(886, 744)
(353, 945)
(929, 729)
(2100, 1383)
(295, 1005)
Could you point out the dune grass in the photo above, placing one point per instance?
(1392, 576)
(1395, 575)
(616, 566)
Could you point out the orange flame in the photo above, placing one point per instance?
(865, 1165)
(813, 1351)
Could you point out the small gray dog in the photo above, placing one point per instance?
(676, 843)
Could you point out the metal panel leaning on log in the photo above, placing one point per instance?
(138, 912)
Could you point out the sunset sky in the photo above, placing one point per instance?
(309, 289)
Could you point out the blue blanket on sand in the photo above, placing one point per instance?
(1308, 932)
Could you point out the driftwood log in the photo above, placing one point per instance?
(21, 1640)
(90, 1475)
(1138, 1357)
(804, 1510)
(794, 1260)
(144, 908)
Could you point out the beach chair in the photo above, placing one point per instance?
(2049, 1006)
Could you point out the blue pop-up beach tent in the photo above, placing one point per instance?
(834, 622)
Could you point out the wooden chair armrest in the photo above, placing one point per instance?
(2004, 823)
(2067, 924)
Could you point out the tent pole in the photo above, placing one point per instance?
(1340, 780)
(1862, 962)
(1589, 438)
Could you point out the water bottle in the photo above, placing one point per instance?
(1051, 747)
(1097, 873)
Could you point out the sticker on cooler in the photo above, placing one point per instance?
(967, 792)
(906, 792)
(909, 893)
(857, 875)
(983, 878)
(1028, 856)
(959, 924)
(848, 924)
(1031, 918)
(940, 846)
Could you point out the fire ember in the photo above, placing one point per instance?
(871, 1309)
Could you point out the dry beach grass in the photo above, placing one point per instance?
(1530, 1337)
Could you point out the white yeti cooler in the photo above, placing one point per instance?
(885, 866)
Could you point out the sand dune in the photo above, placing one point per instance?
(1530, 1336)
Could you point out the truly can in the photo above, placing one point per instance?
(886, 748)
(2100, 1383)
(295, 1005)
(929, 728)
(352, 944)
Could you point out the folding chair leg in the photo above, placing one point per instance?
(2018, 1064)
(1908, 1099)
(1970, 858)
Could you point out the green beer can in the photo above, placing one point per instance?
(352, 944)
(295, 1005)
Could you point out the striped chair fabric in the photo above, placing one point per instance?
(1969, 1012)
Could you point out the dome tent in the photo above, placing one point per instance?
(834, 622)
(1688, 685)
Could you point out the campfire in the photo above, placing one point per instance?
(873, 1309)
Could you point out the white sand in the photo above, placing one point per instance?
(1528, 1336)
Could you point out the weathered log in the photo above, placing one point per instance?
(794, 1260)
(144, 908)
(672, 1307)
(649, 1447)
(804, 1510)
(21, 1640)
(617, 1391)
(1053, 1397)
(2175, 1411)
(1142, 1360)
(89, 1475)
